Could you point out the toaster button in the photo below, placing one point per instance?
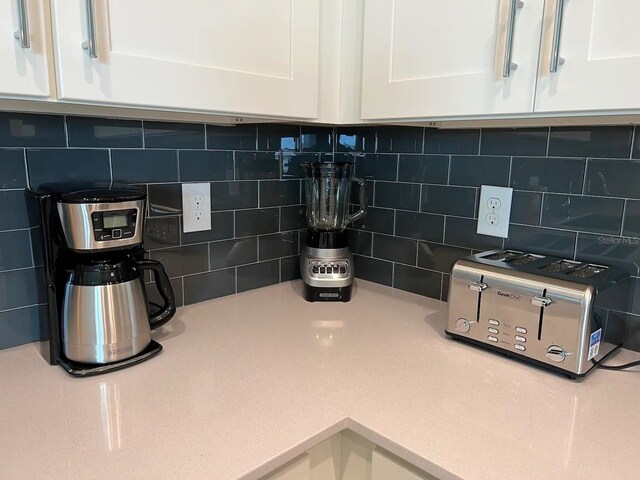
(521, 330)
(494, 322)
(493, 330)
(522, 348)
(493, 339)
(521, 339)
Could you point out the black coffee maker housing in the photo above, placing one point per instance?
(94, 264)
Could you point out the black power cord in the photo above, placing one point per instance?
(624, 366)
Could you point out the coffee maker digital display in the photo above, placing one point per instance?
(99, 317)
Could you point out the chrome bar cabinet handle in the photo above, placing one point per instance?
(22, 34)
(508, 66)
(556, 59)
(90, 45)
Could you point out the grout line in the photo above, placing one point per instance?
(444, 228)
(144, 143)
(424, 138)
(26, 168)
(510, 169)
(397, 167)
(23, 307)
(575, 246)
(110, 168)
(182, 285)
(66, 131)
(546, 150)
(584, 176)
(206, 141)
(441, 286)
(449, 170)
(480, 141)
(633, 140)
(33, 260)
(624, 211)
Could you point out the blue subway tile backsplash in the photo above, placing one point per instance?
(575, 195)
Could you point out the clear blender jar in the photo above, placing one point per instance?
(328, 191)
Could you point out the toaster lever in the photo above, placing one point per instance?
(478, 286)
(541, 301)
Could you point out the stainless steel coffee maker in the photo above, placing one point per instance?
(326, 264)
(99, 313)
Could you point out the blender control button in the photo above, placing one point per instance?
(522, 348)
(493, 321)
(521, 330)
(322, 270)
(314, 269)
(335, 269)
(493, 339)
(343, 269)
(520, 339)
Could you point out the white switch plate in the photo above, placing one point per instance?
(494, 211)
(196, 207)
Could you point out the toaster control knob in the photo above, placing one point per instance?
(463, 325)
(556, 354)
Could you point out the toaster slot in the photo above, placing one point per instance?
(560, 266)
(524, 259)
(587, 271)
(503, 256)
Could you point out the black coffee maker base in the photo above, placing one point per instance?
(77, 369)
(327, 294)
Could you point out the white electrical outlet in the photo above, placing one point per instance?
(494, 211)
(196, 207)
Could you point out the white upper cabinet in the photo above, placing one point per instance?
(435, 58)
(23, 49)
(243, 57)
(599, 41)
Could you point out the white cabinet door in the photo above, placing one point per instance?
(25, 69)
(600, 43)
(385, 466)
(437, 58)
(229, 56)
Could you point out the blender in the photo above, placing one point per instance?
(326, 264)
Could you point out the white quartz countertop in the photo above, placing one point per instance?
(246, 383)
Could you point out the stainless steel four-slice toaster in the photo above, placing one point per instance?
(546, 310)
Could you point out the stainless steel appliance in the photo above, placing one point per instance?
(326, 264)
(545, 310)
(99, 318)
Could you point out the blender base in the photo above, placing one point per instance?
(327, 294)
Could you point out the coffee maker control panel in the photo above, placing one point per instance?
(114, 224)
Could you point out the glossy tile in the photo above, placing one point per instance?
(475, 171)
(423, 168)
(289, 268)
(21, 288)
(104, 132)
(632, 219)
(395, 249)
(356, 139)
(435, 256)
(378, 220)
(373, 270)
(162, 232)
(636, 143)
(514, 141)
(360, 242)
(64, 165)
(586, 214)
(21, 326)
(276, 193)
(292, 163)
(202, 166)
(404, 196)
(12, 170)
(13, 213)
(421, 226)
(164, 199)
(144, 166)
(526, 208)
(277, 245)
(454, 141)
(257, 165)
(612, 142)
(37, 247)
(232, 137)
(609, 250)
(258, 275)
(545, 241)
(15, 250)
(221, 228)
(461, 232)
(31, 130)
(293, 217)
(229, 253)
(417, 280)
(257, 222)
(205, 286)
(317, 139)
(613, 178)
(173, 135)
(562, 175)
(443, 199)
(184, 260)
(377, 167)
(393, 139)
(278, 137)
(176, 285)
(234, 195)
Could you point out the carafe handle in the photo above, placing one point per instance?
(363, 200)
(166, 292)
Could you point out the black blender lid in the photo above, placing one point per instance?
(91, 192)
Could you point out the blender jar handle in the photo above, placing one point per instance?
(363, 201)
(166, 292)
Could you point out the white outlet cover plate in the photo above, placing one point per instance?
(494, 211)
(196, 207)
